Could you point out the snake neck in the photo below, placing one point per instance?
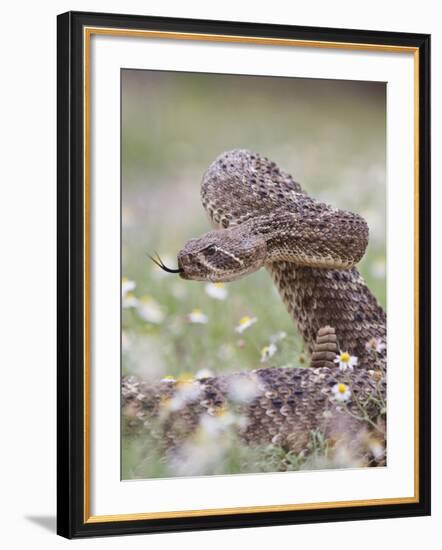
(339, 298)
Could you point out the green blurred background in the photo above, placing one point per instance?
(330, 135)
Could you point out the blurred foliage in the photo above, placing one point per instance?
(330, 135)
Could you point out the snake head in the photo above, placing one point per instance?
(222, 255)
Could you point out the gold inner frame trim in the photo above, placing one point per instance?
(87, 34)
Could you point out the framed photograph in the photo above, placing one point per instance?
(243, 274)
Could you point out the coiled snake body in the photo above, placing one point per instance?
(263, 218)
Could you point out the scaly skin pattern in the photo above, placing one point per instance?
(285, 406)
(263, 218)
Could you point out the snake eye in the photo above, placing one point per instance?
(210, 250)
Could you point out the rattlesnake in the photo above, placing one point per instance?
(263, 218)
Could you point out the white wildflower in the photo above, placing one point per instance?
(127, 297)
(203, 373)
(198, 455)
(130, 301)
(188, 390)
(243, 388)
(217, 422)
(196, 316)
(376, 344)
(346, 361)
(267, 352)
(242, 422)
(218, 291)
(149, 310)
(341, 392)
(377, 449)
(245, 323)
(127, 286)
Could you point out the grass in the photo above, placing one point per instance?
(142, 460)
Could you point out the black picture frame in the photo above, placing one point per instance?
(72, 520)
